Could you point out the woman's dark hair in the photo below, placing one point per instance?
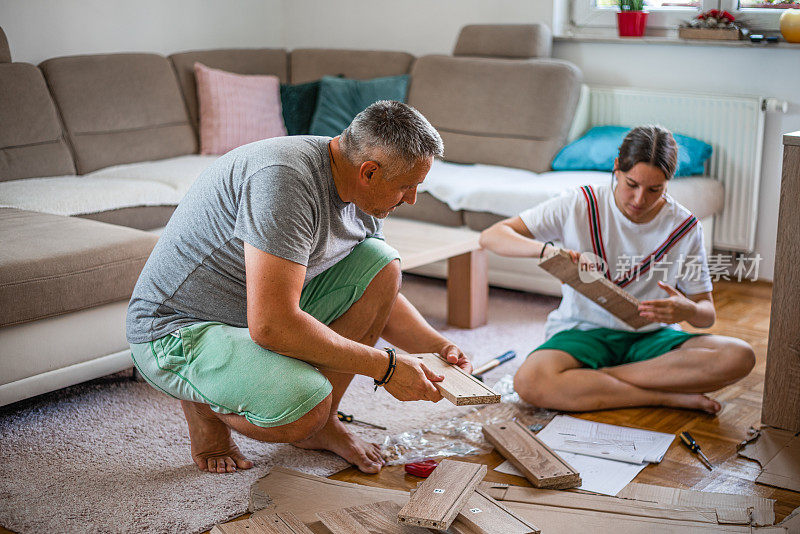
(651, 144)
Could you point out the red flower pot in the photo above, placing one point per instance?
(631, 23)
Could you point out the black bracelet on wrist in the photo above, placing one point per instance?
(541, 253)
(390, 372)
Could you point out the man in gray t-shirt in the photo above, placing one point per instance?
(271, 284)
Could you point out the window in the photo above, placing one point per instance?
(668, 14)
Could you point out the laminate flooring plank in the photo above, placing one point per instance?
(538, 462)
(484, 515)
(373, 518)
(458, 387)
(438, 500)
(278, 523)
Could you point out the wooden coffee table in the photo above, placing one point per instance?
(421, 243)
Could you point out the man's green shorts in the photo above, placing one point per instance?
(605, 347)
(222, 366)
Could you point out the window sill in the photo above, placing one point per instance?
(669, 37)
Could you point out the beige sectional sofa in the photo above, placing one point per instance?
(97, 150)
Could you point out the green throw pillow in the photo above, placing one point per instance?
(298, 103)
(341, 99)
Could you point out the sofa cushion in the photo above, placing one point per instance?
(341, 99)
(5, 50)
(506, 192)
(237, 109)
(31, 138)
(120, 108)
(139, 217)
(521, 122)
(428, 208)
(298, 102)
(77, 195)
(520, 41)
(309, 64)
(51, 265)
(273, 61)
(178, 173)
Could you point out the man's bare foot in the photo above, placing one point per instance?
(694, 401)
(336, 438)
(213, 449)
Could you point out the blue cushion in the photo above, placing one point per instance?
(596, 150)
(341, 99)
(298, 103)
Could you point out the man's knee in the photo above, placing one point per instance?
(387, 281)
(309, 424)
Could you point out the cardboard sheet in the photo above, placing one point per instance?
(778, 452)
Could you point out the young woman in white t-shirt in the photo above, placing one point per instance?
(644, 241)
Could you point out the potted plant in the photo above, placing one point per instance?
(632, 18)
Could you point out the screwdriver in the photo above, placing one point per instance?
(349, 419)
(689, 441)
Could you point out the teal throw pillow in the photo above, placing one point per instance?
(596, 150)
(341, 99)
(298, 103)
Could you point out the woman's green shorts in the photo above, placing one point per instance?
(605, 347)
(222, 366)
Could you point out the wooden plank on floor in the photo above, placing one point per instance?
(596, 288)
(538, 462)
(368, 518)
(438, 500)
(277, 523)
(484, 515)
(458, 387)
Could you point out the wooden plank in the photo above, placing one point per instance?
(595, 287)
(484, 515)
(458, 387)
(277, 523)
(467, 289)
(439, 499)
(781, 407)
(538, 462)
(379, 517)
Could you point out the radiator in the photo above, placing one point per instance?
(733, 126)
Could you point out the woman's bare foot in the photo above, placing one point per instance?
(336, 438)
(213, 449)
(694, 401)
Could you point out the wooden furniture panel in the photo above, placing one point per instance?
(375, 518)
(596, 288)
(538, 462)
(458, 387)
(781, 406)
(484, 515)
(278, 523)
(438, 500)
(467, 289)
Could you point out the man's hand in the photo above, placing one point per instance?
(674, 309)
(412, 380)
(454, 356)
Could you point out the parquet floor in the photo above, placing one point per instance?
(742, 311)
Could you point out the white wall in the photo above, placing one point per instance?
(416, 26)
(41, 29)
(38, 29)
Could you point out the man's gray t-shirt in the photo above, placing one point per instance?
(277, 195)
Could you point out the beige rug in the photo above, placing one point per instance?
(112, 455)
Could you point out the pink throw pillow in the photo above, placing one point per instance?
(236, 109)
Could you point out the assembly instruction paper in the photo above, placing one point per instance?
(607, 453)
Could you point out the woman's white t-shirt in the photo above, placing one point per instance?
(668, 248)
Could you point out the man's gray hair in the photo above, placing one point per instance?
(393, 130)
